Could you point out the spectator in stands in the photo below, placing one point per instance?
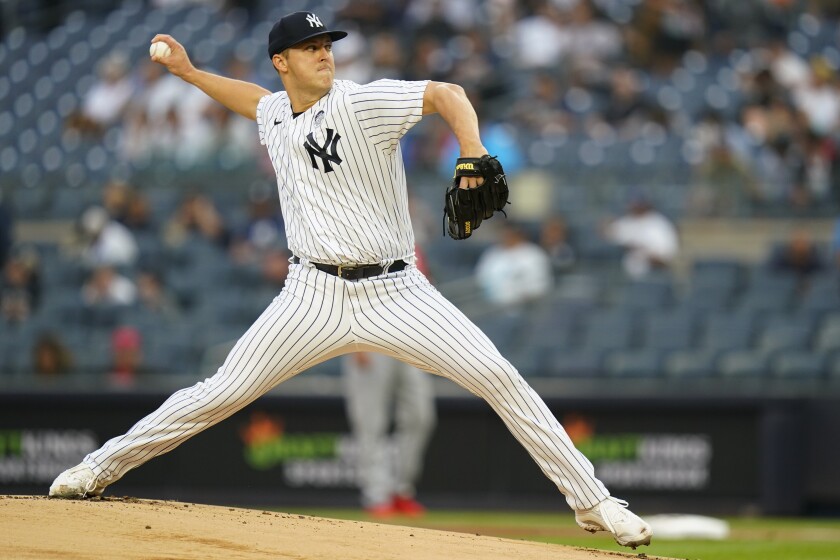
(6, 230)
(105, 241)
(554, 239)
(137, 139)
(762, 89)
(263, 230)
(50, 357)
(152, 295)
(722, 184)
(138, 217)
(819, 164)
(355, 62)
(275, 267)
(788, 69)
(819, 99)
(105, 102)
(424, 221)
(777, 166)
(835, 246)
(166, 120)
(440, 17)
(498, 138)
(650, 240)
(546, 21)
(799, 255)
(197, 216)
(231, 135)
(105, 286)
(20, 287)
(126, 356)
(594, 38)
(115, 197)
(541, 111)
(626, 108)
(661, 31)
(386, 55)
(514, 271)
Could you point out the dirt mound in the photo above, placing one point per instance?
(128, 528)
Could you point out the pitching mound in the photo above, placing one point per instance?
(128, 528)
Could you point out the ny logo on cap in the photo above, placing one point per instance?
(313, 20)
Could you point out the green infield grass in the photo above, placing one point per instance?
(750, 538)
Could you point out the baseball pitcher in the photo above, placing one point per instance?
(353, 285)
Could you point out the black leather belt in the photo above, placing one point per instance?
(356, 272)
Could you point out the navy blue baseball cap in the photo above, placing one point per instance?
(296, 27)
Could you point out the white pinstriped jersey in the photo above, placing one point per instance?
(340, 171)
(342, 189)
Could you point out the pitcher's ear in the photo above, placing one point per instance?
(280, 62)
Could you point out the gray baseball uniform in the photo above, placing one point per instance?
(377, 389)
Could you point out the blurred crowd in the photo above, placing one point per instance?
(114, 275)
(748, 90)
(749, 93)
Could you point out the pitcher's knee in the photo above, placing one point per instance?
(498, 375)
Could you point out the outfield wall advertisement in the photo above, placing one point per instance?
(289, 450)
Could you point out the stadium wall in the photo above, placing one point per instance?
(738, 455)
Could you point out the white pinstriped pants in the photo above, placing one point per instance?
(318, 316)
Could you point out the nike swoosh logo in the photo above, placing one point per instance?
(277, 121)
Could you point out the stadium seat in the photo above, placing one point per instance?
(798, 365)
(727, 274)
(671, 331)
(610, 329)
(502, 329)
(791, 336)
(822, 295)
(580, 288)
(646, 294)
(554, 328)
(645, 362)
(827, 339)
(171, 351)
(707, 297)
(782, 284)
(690, 364)
(743, 364)
(581, 362)
(728, 331)
(759, 301)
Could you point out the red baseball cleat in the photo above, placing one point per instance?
(408, 506)
(381, 511)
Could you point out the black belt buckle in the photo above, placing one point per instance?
(356, 272)
(352, 272)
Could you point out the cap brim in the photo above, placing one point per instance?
(334, 35)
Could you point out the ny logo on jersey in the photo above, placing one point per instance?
(328, 152)
(313, 20)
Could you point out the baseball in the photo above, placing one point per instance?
(159, 49)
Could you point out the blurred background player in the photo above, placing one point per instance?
(377, 389)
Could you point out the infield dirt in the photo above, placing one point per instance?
(127, 528)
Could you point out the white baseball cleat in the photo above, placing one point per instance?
(76, 483)
(612, 515)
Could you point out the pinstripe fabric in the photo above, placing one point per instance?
(406, 317)
(318, 316)
(342, 188)
(358, 211)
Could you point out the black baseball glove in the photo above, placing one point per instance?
(465, 209)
